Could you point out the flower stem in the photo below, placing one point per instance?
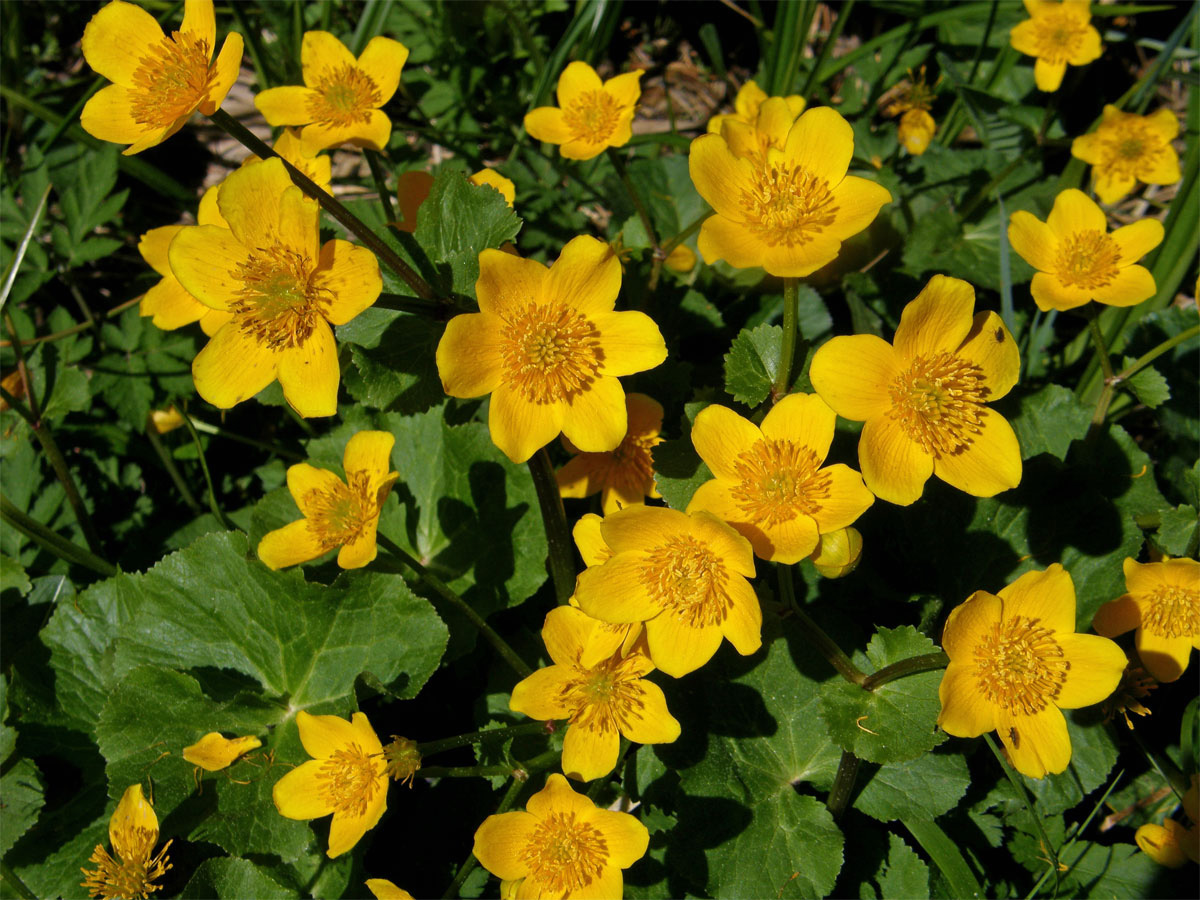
(212, 491)
(465, 771)
(554, 518)
(674, 242)
(815, 634)
(843, 784)
(791, 300)
(1146, 358)
(442, 590)
(13, 881)
(476, 737)
(379, 174)
(52, 541)
(1024, 797)
(1106, 392)
(352, 223)
(914, 665)
(75, 329)
(172, 470)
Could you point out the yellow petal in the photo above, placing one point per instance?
(774, 120)
(989, 464)
(546, 123)
(720, 436)
(1096, 667)
(347, 829)
(309, 373)
(1074, 212)
(1135, 240)
(320, 50)
(1162, 843)
(966, 712)
(306, 481)
(1088, 49)
(714, 497)
(679, 648)
(199, 21)
(615, 591)
(1131, 286)
(1047, 596)
(991, 347)
(214, 320)
(519, 427)
(214, 752)
(577, 78)
(170, 305)
(225, 72)
(893, 465)
(369, 451)
(1033, 240)
(559, 796)
(592, 547)
(351, 276)
(301, 793)
(1048, 75)
(968, 623)
(631, 342)
(589, 752)
(540, 696)
(1024, 37)
(625, 88)
(719, 176)
(803, 258)
(743, 622)
(116, 40)
(1038, 744)
(1117, 616)
(626, 837)
(821, 142)
(586, 276)
(732, 241)
(290, 105)
(566, 631)
(1050, 293)
(848, 499)
(133, 813)
(233, 367)
(382, 60)
(858, 201)
(595, 418)
(937, 321)
(153, 246)
(362, 550)
(373, 134)
(508, 283)
(854, 374)
(730, 547)
(205, 258)
(108, 115)
(290, 545)
(502, 841)
(1087, 147)
(386, 890)
(791, 541)
(209, 213)
(1111, 185)
(468, 355)
(264, 209)
(803, 419)
(1166, 658)
(648, 721)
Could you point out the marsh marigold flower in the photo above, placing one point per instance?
(604, 701)
(548, 346)
(916, 130)
(1163, 604)
(341, 100)
(282, 288)
(590, 115)
(132, 833)
(684, 575)
(623, 476)
(747, 105)
(790, 212)
(561, 846)
(770, 484)
(386, 890)
(1165, 843)
(214, 751)
(1127, 148)
(838, 553)
(1016, 663)
(1078, 260)
(346, 776)
(608, 637)
(1058, 34)
(923, 396)
(336, 513)
(157, 81)
(767, 131)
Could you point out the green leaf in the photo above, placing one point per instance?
(233, 878)
(895, 722)
(1049, 420)
(1176, 530)
(1148, 385)
(13, 577)
(678, 471)
(1093, 755)
(1116, 871)
(752, 364)
(458, 221)
(925, 787)
(24, 795)
(904, 874)
(393, 360)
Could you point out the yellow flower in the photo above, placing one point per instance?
(768, 130)
(838, 553)
(603, 701)
(1077, 260)
(608, 637)
(769, 482)
(385, 890)
(158, 81)
(132, 833)
(748, 103)
(682, 259)
(916, 131)
(923, 397)
(623, 476)
(562, 846)
(1163, 604)
(336, 513)
(548, 347)
(790, 212)
(291, 147)
(346, 776)
(412, 188)
(283, 290)
(166, 420)
(342, 97)
(590, 116)
(1016, 663)
(214, 752)
(1165, 843)
(1127, 148)
(1058, 34)
(684, 576)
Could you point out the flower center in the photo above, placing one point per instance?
(780, 480)
(592, 116)
(1128, 146)
(1059, 36)
(550, 351)
(134, 874)
(601, 698)
(339, 515)
(278, 304)
(631, 465)
(565, 855)
(350, 778)
(938, 401)
(686, 579)
(170, 81)
(1172, 611)
(344, 95)
(1087, 259)
(1020, 666)
(788, 205)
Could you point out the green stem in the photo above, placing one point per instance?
(791, 301)
(471, 862)
(212, 491)
(914, 665)
(843, 13)
(13, 881)
(1024, 797)
(476, 737)
(416, 305)
(379, 174)
(674, 242)
(75, 329)
(1146, 358)
(843, 784)
(554, 518)
(466, 771)
(172, 470)
(643, 214)
(815, 634)
(351, 222)
(442, 590)
(1106, 392)
(53, 542)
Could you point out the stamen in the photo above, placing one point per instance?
(1172, 611)
(780, 481)
(631, 465)
(339, 515)
(687, 580)
(350, 778)
(133, 875)
(938, 402)
(1087, 259)
(550, 351)
(592, 116)
(171, 80)
(1020, 666)
(1128, 146)
(277, 304)
(788, 205)
(1059, 35)
(344, 95)
(606, 696)
(565, 855)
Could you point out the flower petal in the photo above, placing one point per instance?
(991, 347)
(347, 829)
(788, 260)
(595, 418)
(586, 276)
(547, 123)
(854, 374)
(803, 419)
(822, 142)
(566, 631)
(989, 464)
(309, 373)
(1096, 667)
(250, 199)
(351, 276)
(731, 548)
(1047, 597)
(592, 547)
(858, 203)
(583, 475)
(468, 356)
(677, 647)
(1088, 49)
(719, 176)
(1051, 293)
(1024, 37)
(170, 305)
(290, 105)
(625, 88)
(369, 451)
(615, 591)
(893, 465)
(1131, 286)
(638, 529)
(559, 796)
(501, 842)
(1033, 240)
(204, 259)
(226, 69)
(108, 114)
(1074, 212)
(153, 246)
(362, 549)
(577, 79)
(540, 696)
(589, 752)
(1048, 75)
(968, 623)
(373, 134)
(847, 499)
(720, 436)
(1117, 616)
(966, 712)
(306, 482)
(509, 283)
(743, 621)
(648, 721)
(1037, 745)
(290, 545)
(323, 736)
(301, 793)
(521, 428)
(382, 61)
(1111, 184)
(732, 241)
(320, 50)
(1166, 658)
(793, 540)
(199, 21)
(1137, 239)
(626, 837)
(233, 367)
(117, 38)
(631, 342)
(937, 321)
